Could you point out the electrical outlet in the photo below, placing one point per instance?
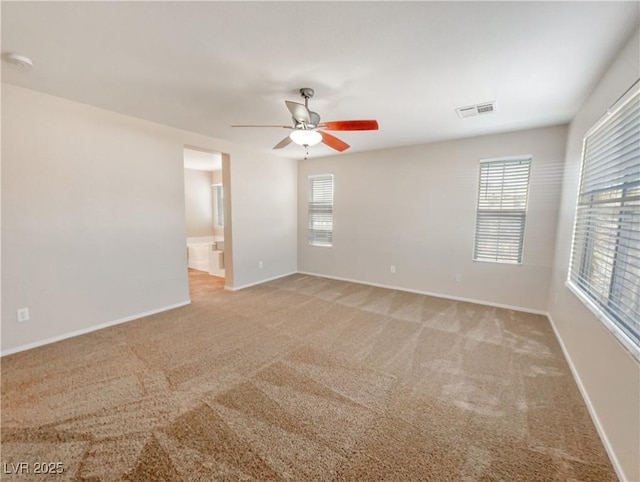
(393, 268)
(459, 277)
(260, 264)
(23, 314)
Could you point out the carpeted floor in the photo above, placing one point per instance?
(298, 379)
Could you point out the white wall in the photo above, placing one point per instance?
(414, 207)
(268, 219)
(93, 215)
(609, 376)
(198, 195)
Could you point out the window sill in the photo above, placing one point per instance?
(621, 337)
(508, 263)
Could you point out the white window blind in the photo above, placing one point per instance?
(501, 213)
(321, 210)
(605, 257)
(220, 205)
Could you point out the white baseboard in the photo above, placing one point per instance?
(429, 293)
(83, 331)
(587, 401)
(237, 288)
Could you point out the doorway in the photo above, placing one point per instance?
(204, 211)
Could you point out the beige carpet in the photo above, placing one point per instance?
(303, 378)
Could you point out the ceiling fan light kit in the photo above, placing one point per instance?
(307, 130)
(304, 137)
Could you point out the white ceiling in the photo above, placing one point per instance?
(202, 66)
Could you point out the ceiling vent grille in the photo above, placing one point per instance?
(478, 109)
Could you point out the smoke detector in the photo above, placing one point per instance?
(21, 61)
(475, 110)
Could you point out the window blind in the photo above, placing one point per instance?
(605, 257)
(320, 210)
(501, 212)
(220, 205)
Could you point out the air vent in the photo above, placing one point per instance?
(474, 110)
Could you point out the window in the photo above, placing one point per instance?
(220, 205)
(321, 210)
(502, 207)
(605, 257)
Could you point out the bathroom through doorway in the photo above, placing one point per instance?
(204, 210)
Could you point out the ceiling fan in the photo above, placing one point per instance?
(307, 130)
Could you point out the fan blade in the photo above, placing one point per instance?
(315, 118)
(261, 125)
(299, 112)
(351, 125)
(334, 142)
(283, 143)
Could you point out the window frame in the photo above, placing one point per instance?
(605, 317)
(521, 157)
(313, 242)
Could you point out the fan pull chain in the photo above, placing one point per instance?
(306, 152)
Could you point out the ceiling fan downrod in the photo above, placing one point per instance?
(307, 93)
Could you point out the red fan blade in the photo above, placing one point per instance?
(351, 125)
(334, 142)
(283, 143)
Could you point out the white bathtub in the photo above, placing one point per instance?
(206, 254)
(198, 256)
